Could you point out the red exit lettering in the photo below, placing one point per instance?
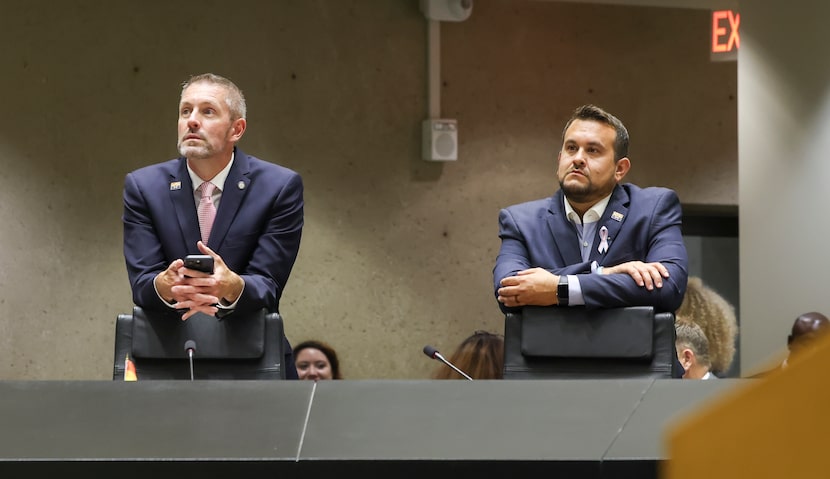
(725, 36)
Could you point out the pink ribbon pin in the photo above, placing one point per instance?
(603, 243)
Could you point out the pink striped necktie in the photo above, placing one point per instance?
(206, 210)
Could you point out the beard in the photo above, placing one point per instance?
(578, 192)
(197, 151)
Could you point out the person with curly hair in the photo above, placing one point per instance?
(715, 315)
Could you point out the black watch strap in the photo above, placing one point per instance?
(562, 290)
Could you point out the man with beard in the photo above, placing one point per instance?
(246, 213)
(596, 242)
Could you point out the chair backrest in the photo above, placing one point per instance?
(553, 342)
(241, 346)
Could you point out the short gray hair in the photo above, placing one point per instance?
(691, 336)
(235, 98)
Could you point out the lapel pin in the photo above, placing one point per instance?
(603, 243)
(616, 216)
(175, 185)
(241, 185)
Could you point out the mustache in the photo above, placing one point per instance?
(192, 133)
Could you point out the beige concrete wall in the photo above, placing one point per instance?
(397, 252)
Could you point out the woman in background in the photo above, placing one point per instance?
(706, 308)
(316, 360)
(481, 356)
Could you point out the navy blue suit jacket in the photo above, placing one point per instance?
(643, 225)
(257, 228)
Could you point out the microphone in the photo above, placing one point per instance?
(189, 348)
(434, 354)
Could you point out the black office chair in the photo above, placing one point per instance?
(240, 346)
(552, 342)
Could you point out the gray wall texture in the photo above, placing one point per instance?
(397, 252)
(784, 123)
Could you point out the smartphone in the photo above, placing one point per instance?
(199, 262)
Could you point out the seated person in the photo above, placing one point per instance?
(703, 306)
(480, 355)
(806, 329)
(316, 360)
(693, 351)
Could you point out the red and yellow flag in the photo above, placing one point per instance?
(129, 370)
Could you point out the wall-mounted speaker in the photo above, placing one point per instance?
(440, 140)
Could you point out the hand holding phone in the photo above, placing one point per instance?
(199, 262)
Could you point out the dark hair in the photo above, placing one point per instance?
(327, 350)
(595, 113)
(806, 328)
(481, 356)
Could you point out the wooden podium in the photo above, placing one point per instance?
(774, 427)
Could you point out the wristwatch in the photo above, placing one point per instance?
(562, 290)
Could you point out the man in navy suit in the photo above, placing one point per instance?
(596, 242)
(255, 237)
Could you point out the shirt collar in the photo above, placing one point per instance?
(218, 180)
(593, 214)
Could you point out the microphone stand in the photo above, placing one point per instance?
(189, 347)
(433, 353)
(439, 356)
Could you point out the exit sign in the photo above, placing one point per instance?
(725, 36)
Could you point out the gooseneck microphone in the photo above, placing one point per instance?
(189, 348)
(434, 354)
